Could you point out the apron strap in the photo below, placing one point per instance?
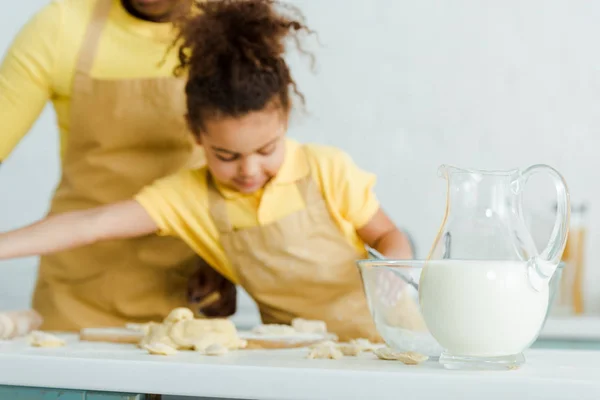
(87, 52)
(217, 206)
(307, 186)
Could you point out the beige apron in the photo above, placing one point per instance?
(299, 266)
(124, 135)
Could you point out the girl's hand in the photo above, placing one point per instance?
(210, 293)
(74, 229)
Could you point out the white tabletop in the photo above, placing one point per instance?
(287, 374)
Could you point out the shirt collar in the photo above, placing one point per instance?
(295, 167)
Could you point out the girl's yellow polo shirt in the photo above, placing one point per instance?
(179, 203)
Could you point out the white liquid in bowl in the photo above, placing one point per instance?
(481, 308)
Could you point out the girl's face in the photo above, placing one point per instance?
(245, 153)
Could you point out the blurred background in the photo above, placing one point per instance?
(405, 86)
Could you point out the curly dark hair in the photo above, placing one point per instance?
(233, 54)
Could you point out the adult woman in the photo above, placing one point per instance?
(104, 66)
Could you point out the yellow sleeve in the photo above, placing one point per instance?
(26, 75)
(347, 188)
(178, 204)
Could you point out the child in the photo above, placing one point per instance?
(284, 220)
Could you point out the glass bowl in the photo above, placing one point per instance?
(394, 303)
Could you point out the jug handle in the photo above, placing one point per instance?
(542, 266)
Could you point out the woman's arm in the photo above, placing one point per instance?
(381, 234)
(77, 228)
(27, 74)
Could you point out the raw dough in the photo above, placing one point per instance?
(43, 339)
(216, 350)
(327, 350)
(274, 329)
(309, 326)
(158, 333)
(179, 314)
(180, 331)
(201, 333)
(409, 358)
(160, 349)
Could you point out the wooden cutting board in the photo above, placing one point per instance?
(255, 341)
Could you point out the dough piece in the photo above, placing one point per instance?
(355, 347)
(309, 326)
(327, 350)
(348, 349)
(409, 358)
(179, 314)
(43, 339)
(363, 344)
(160, 349)
(216, 350)
(274, 329)
(158, 333)
(201, 333)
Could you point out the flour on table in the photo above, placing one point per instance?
(43, 339)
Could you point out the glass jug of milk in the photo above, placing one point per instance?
(484, 290)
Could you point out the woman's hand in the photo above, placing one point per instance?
(210, 293)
